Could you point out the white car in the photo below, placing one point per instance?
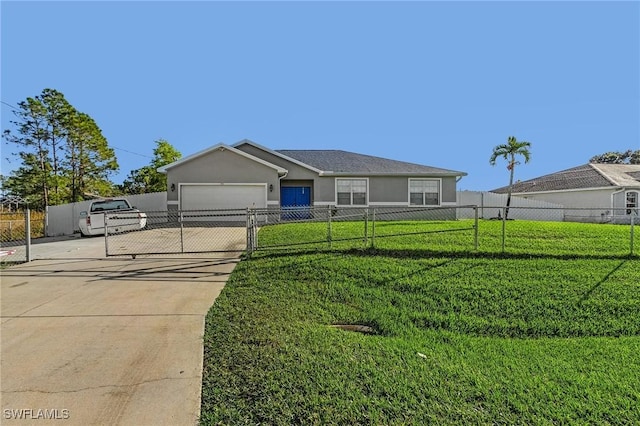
(119, 214)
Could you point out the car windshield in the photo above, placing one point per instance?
(109, 205)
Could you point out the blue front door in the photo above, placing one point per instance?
(297, 200)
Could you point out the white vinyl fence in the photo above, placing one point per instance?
(490, 203)
(63, 219)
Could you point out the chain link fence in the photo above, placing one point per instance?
(17, 228)
(512, 230)
(344, 228)
(568, 231)
(496, 229)
(177, 232)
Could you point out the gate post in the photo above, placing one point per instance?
(106, 235)
(250, 232)
(181, 232)
(27, 232)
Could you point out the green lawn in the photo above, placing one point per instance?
(548, 333)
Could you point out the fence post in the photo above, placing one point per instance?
(475, 226)
(254, 230)
(633, 214)
(45, 221)
(366, 228)
(27, 232)
(181, 232)
(373, 229)
(504, 225)
(329, 237)
(106, 234)
(249, 243)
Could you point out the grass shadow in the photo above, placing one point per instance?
(597, 285)
(424, 253)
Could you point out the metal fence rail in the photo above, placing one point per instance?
(17, 228)
(622, 220)
(331, 227)
(179, 232)
(458, 228)
(510, 230)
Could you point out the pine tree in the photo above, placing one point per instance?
(62, 149)
(147, 179)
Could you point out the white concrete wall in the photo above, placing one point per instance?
(489, 204)
(589, 205)
(63, 219)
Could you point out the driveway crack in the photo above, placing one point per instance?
(144, 382)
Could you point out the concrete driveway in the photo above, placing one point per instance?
(98, 341)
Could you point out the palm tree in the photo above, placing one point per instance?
(509, 151)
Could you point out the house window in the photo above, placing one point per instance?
(424, 192)
(632, 202)
(352, 192)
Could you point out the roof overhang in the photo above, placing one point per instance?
(277, 154)
(426, 175)
(221, 147)
(556, 191)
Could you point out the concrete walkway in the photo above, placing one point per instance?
(90, 341)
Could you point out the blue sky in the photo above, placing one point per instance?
(435, 83)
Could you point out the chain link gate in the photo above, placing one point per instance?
(179, 232)
(15, 230)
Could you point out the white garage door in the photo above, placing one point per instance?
(227, 196)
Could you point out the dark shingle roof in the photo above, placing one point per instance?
(580, 177)
(339, 162)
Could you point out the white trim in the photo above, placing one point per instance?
(439, 180)
(173, 203)
(273, 203)
(180, 185)
(324, 203)
(277, 154)
(335, 187)
(603, 174)
(220, 147)
(418, 175)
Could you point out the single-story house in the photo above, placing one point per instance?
(247, 174)
(609, 191)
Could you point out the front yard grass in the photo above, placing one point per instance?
(544, 334)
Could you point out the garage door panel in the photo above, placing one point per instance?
(218, 197)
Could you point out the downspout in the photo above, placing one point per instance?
(286, 173)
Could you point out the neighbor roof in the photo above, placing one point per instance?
(345, 162)
(581, 177)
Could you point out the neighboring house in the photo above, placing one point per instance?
(250, 175)
(610, 191)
